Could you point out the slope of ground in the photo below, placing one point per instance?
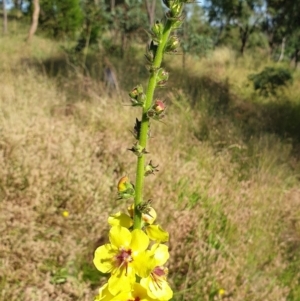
(227, 190)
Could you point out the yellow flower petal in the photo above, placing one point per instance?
(155, 232)
(120, 219)
(139, 241)
(149, 217)
(119, 236)
(122, 184)
(103, 258)
(138, 293)
(161, 291)
(144, 263)
(160, 253)
(121, 280)
(130, 210)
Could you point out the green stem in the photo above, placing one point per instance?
(140, 171)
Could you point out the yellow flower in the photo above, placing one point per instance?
(124, 257)
(221, 292)
(65, 213)
(138, 293)
(156, 283)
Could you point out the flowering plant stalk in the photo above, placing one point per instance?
(136, 254)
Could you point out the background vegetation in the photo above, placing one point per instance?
(228, 150)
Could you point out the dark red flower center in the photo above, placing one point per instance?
(124, 258)
(159, 271)
(158, 275)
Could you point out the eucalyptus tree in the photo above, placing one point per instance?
(4, 16)
(282, 26)
(245, 15)
(61, 18)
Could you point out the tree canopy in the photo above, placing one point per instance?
(241, 24)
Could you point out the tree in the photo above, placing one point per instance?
(196, 33)
(4, 17)
(95, 22)
(150, 6)
(282, 27)
(129, 19)
(17, 4)
(35, 20)
(242, 14)
(61, 18)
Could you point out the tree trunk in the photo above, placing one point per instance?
(4, 17)
(296, 57)
(151, 11)
(112, 5)
(282, 50)
(244, 35)
(16, 4)
(35, 20)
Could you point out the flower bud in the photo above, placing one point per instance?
(130, 210)
(138, 150)
(177, 22)
(172, 44)
(149, 56)
(157, 31)
(125, 188)
(157, 110)
(158, 107)
(162, 77)
(150, 216)
(176, 9)
(137, 96)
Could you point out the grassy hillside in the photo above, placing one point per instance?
(228, 187)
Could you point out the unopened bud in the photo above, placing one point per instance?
(138, 150)
(150, 216)
(137, 96)
(162, 77)
(157, 31)
(158, 106)
(125, 188)
(172, 44)
(176, 8)
(157, 110)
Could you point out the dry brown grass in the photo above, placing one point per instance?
(232, 211)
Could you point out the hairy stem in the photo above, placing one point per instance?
(139, 185)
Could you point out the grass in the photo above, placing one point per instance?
(227, 191)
